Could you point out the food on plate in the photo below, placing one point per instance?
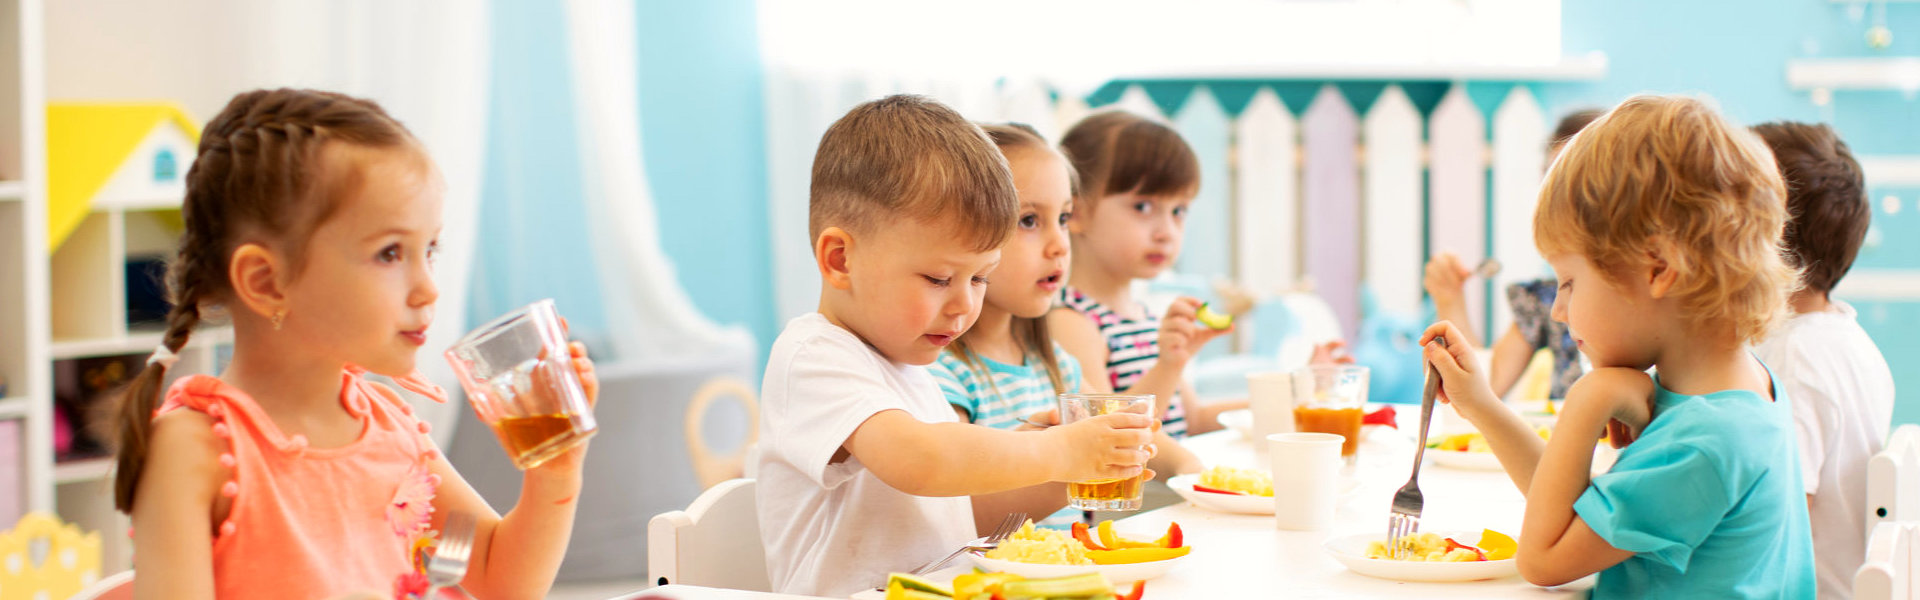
(1008, 586)
(1111, 549)
(1040, 546)
(1431, 547)
(1231, 480)
(1474, 442)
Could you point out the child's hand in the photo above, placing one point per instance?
(1110, 446)
(1463, 383)
(543, 379)
(1331, 353)
(1445, 280)
(1624, 396)
(1181, 335)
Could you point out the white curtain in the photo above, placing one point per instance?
(426, 62)
(649, 316)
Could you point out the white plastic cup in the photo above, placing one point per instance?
(1306, 479)
(1270, 398)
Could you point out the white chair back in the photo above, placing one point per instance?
(1893, 558)
(1893, 479)
(715, 542)
(712, 466)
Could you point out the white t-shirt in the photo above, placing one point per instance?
(1842, 396)
(835, 529)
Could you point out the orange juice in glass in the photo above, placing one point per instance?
(519, 377)
(1104, 494)
(1336, 404)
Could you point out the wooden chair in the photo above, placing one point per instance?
(711, 467)
(715, 542)
(43, 557)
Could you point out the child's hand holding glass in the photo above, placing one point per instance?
(1109, 446)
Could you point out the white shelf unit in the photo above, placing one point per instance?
(67, 303)
(1897, 73)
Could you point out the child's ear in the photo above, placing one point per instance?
(1661, 274)
(1081, 212)
(830, 254)
(259, 279)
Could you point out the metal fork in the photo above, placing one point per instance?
(1407, 503)
(448, 565)
(1007, 527)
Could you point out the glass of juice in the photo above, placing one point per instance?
(1335, 405)
(1104, 494)
(520, 380)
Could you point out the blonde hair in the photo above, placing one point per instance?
(1031, 334)
(1669, 173)
(911, 157)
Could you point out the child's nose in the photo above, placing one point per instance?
(424, 290)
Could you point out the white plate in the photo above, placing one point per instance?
(1226, 503)
(1466, 461)
(1117, 574)
(1352, 551)
(1240, 420)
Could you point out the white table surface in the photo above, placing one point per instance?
(1237, 555)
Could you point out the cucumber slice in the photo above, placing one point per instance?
(919, 584)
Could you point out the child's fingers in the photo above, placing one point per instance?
(1184, 306)
(1444, 361)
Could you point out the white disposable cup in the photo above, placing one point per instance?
(1270, 398)
(1306, 479)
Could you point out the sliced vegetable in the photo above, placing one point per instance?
(912, 582)
(1201, 488)
(1453, 544)
(1139, 589)
(1113, 540)
(1086, 539)
(1127, 556)
(1497, 545)
(896, 591)
(1089, 584)
(969, 585)
(1173, 538)
(1212, 319)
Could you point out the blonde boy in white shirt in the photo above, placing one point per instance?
(864, 469)
(1841, 389)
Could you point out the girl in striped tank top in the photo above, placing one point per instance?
(1138, 179)
(1006, 372)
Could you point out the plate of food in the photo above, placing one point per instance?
(1228, 490)
(1469, 451)
(977, 585)
(1047, 553)
(1446, 556)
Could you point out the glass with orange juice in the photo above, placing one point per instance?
(519, 377)
(1104, 494)
(1336, 404)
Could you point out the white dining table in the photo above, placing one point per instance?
(1235, 556)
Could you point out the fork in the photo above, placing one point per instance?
(1007, 527)
(448, 565)
(1408, 502)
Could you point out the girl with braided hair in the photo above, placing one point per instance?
(311, 220)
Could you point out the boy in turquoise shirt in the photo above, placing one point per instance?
(1662, 223)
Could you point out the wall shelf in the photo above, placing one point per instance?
(136, 342)
(15, 407)
(1573, 68)
(82, 470)
(1896, 73)
(12, 191)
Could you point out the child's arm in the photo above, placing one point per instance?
(962, 459)
(1556, 545)
(173, 515)
(1080, 338)
(1512, 439)
(1511, 353)
(532, 538)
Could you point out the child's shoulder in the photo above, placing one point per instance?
(1724, 423)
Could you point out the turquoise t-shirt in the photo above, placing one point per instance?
(1709, 500)
(1016, 391)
